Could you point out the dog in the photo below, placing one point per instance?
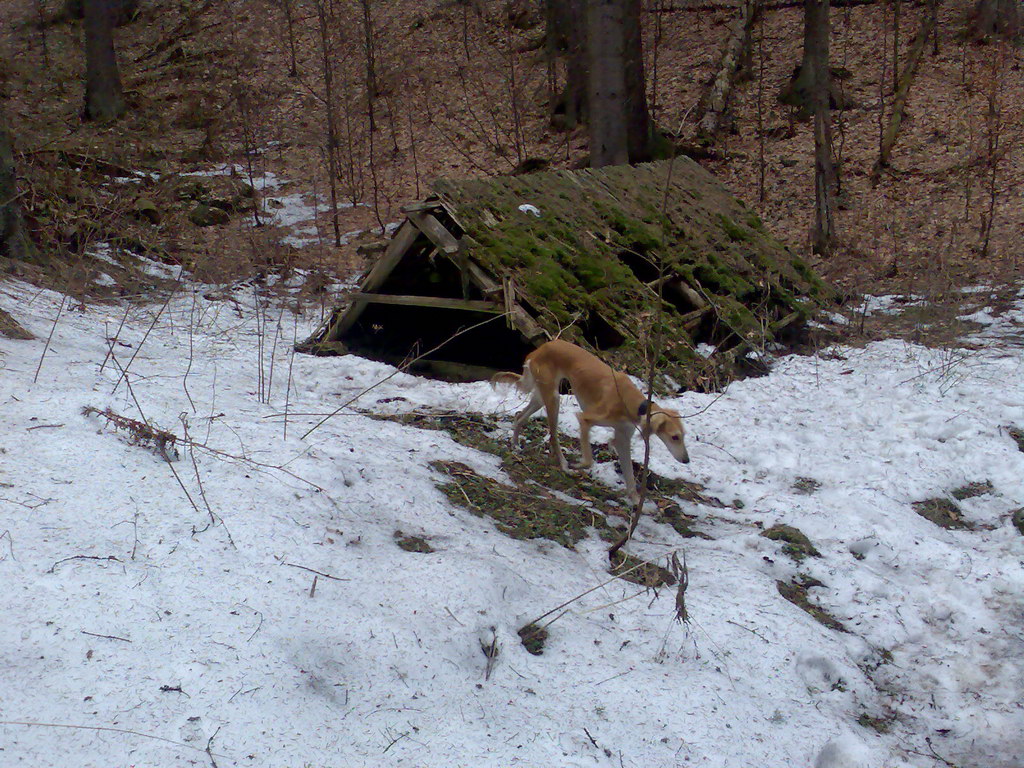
(608, 399)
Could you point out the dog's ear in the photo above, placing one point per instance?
(664, 420)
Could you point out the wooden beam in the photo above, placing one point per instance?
(422, 205)
(429, 301)
(520, 318)
(403, 239)
(435, 230)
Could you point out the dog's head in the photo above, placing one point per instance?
(668, 426)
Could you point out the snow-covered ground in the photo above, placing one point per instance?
(136, 633)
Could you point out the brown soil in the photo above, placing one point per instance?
(461, 96)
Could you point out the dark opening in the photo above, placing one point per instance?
(423, 274)
(600, 333)
(640, 264)
(394, 334)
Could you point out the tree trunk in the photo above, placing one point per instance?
(566, 34)
(14, 240)
(899, 104)
(371, 66)
(998, 18)
(639, 131)
(124, 10)
(715, 100)
(104, 99)
(332, 144)
(816, 33)
(606, 55)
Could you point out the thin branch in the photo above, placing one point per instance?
(402, 368)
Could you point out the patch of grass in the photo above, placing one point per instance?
(536, 504)
(640, 571)
(10, 328)
(943, 512)
(413, 543)
(522, 512)
(971, 490)
(879, 724)
(533, 638)
(672, 514)
(806, 485)
(1017, 518)
(796, 593)
(796, 544)
(1017, 435)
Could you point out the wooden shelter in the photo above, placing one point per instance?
(615, 259)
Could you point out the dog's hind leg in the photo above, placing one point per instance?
(621, 441)
(588, 455)
(535, 404)
(551, 402)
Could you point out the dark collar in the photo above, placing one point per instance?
(644, 407)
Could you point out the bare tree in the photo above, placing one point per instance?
(620, 124)
(326, 27)
(607, 92)
(14, 239)
(639, 130)
(998, 18)
(104, 97)
(371, 65)
(816, 34)
(565, 36)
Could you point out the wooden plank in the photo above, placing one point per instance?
(429, 301)
(397, 247)
(422, 205)
(435, 230)
(483, 281)
(521, 319)
(400, 243)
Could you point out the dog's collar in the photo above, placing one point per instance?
(644, 407)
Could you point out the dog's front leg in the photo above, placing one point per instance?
(587, 454)
(621, 441)
(551, 408)
(535, 404)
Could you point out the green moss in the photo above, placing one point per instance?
(795, 542)
(796, 593)
(733, 230)
(943, 512)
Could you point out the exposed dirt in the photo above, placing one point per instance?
(796, 592)
(943, 512)
(462, 94)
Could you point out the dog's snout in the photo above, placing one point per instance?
(684, 459)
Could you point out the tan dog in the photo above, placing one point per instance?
(608, 399)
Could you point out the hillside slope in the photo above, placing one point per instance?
(249, 604)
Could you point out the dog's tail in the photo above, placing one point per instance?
(523, 382)
(506, 377)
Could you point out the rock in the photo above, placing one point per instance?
(204, 215)
(796, 545)
(1017, 518)
(373, 248)
(191, 189)
(146, 209)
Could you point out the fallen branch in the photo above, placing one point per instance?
(403, 367)
(318, 573)
(892, 130)
(107, 729)
(139, 433)
(107, 637)
(715, 99)
(108, 558)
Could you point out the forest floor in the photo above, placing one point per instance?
(461, 93)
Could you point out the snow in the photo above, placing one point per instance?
(160, 629)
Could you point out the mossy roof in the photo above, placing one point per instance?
(598, 229)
